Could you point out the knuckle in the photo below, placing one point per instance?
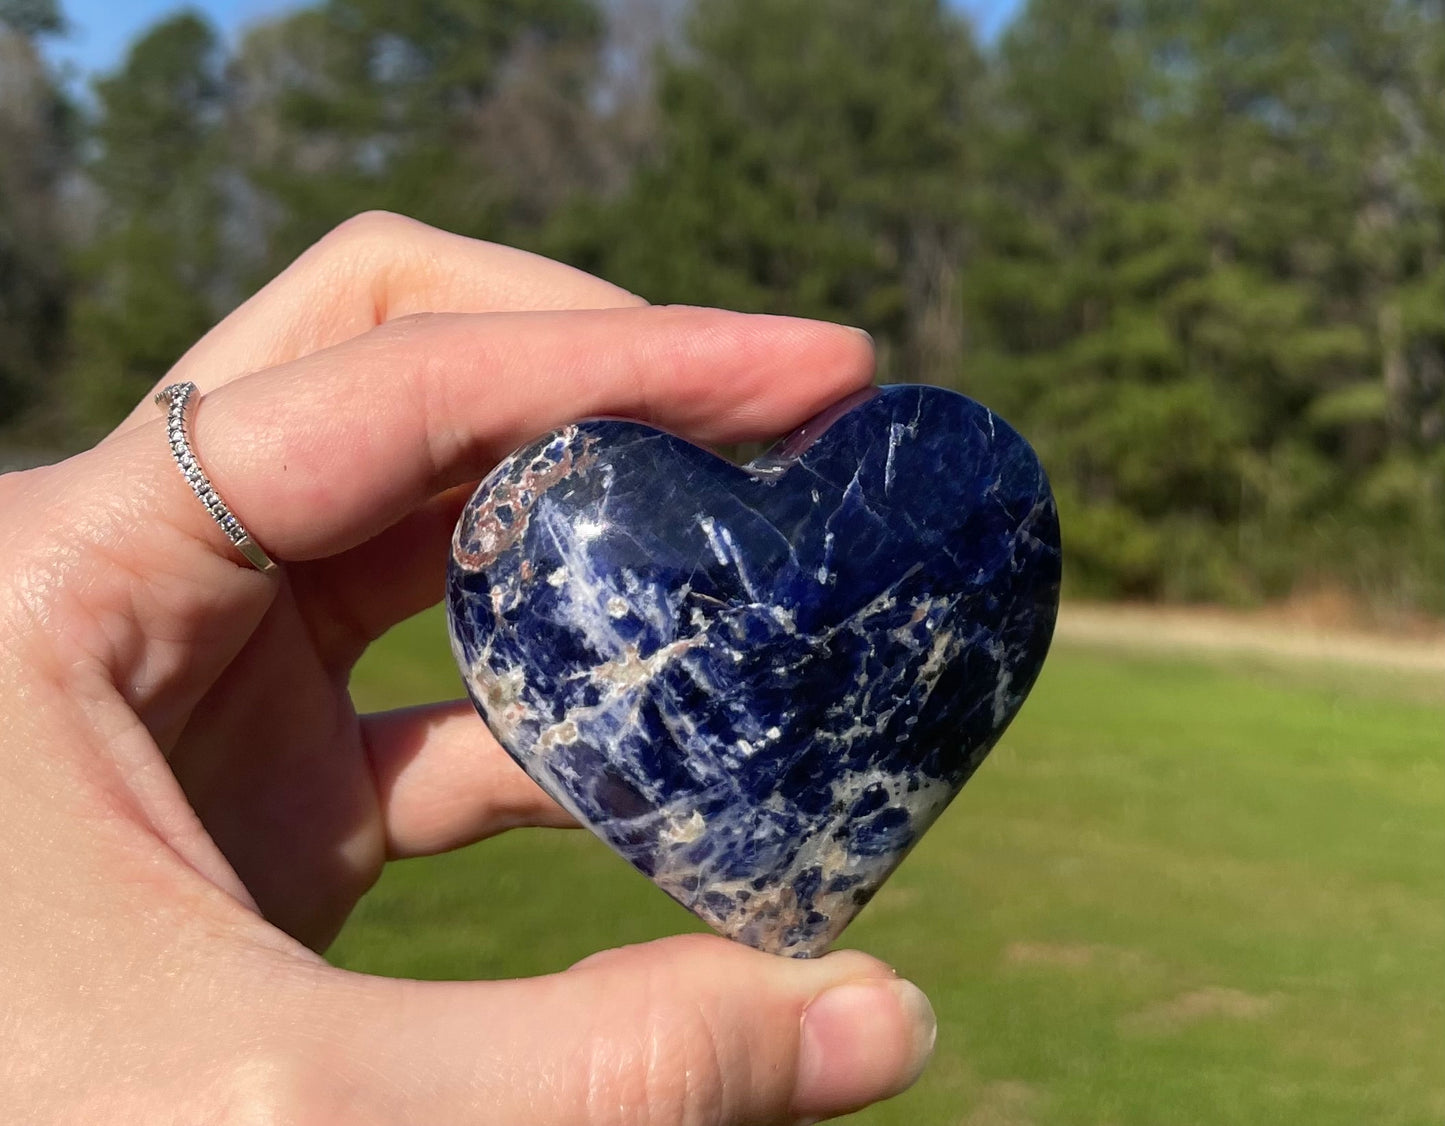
(371, 243)
(366, 250)
(284, 1086)
(368, 228)
(265, 1090)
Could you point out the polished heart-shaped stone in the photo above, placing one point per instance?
(760, 685)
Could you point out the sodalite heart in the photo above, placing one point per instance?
(760, 685)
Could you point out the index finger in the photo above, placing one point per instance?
(319, 455)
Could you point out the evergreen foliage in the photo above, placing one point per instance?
(36, 138)
(154, 272)
(1194, 251)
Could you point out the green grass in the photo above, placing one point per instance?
(1178, 892)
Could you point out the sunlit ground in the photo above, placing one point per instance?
(1179, 892)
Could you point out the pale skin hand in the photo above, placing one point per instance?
(190, 806)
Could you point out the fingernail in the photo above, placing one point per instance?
(864, 333)
(861, 1042)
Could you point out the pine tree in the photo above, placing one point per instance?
(469, 114)
(812, 159)
(1186, 293)
(156, 276)
(36, 133)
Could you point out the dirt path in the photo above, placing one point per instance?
(1221, 631)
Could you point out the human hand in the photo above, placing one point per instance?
(190, 806)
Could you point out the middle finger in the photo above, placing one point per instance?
(372, 269)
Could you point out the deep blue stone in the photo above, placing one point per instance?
(762, 684)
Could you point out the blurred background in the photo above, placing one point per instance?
(1194, 251)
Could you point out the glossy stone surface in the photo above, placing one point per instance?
(760, 685)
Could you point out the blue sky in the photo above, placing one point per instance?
(101, 29)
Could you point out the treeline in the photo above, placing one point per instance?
(1193, 249)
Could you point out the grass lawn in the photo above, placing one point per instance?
(1178, 892)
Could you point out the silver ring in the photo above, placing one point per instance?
(179, 401)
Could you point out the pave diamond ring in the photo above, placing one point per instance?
(179, 401)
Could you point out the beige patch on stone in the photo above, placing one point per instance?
(1211, 1002)
(1005, 1102)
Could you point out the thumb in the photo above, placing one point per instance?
(693, 1030)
